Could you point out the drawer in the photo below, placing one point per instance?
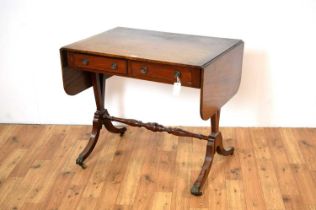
(190, 77)
(94, 62)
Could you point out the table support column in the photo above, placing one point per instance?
(214, 144)
(98, 82)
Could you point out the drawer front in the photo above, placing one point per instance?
(94, 62)
(165, 73)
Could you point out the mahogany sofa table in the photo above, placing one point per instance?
(211, 64)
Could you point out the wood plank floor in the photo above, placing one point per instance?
(272, 168)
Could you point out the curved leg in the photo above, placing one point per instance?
(220, 148)
(215, 143)
(217, 135)
(110, 127)
(209, 155)
(98, 81)
(97, 125)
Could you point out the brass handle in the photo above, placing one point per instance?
(114, 66)
(177, 74)
(85, 61)
(144, 69)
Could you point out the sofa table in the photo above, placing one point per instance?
(211, 64)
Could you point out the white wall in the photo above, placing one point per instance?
(279, 75)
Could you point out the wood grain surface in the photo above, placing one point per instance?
(272, 168)
(156, 46)
(221, 80)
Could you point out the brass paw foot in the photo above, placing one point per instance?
(196, 190)
(123, 130)
(79, 162)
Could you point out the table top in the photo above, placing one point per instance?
(161, 47)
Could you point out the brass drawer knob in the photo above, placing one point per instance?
(144, 69)
(85, 61)
(114, 66)
(177, 74)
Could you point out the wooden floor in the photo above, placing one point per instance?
(272, 168)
